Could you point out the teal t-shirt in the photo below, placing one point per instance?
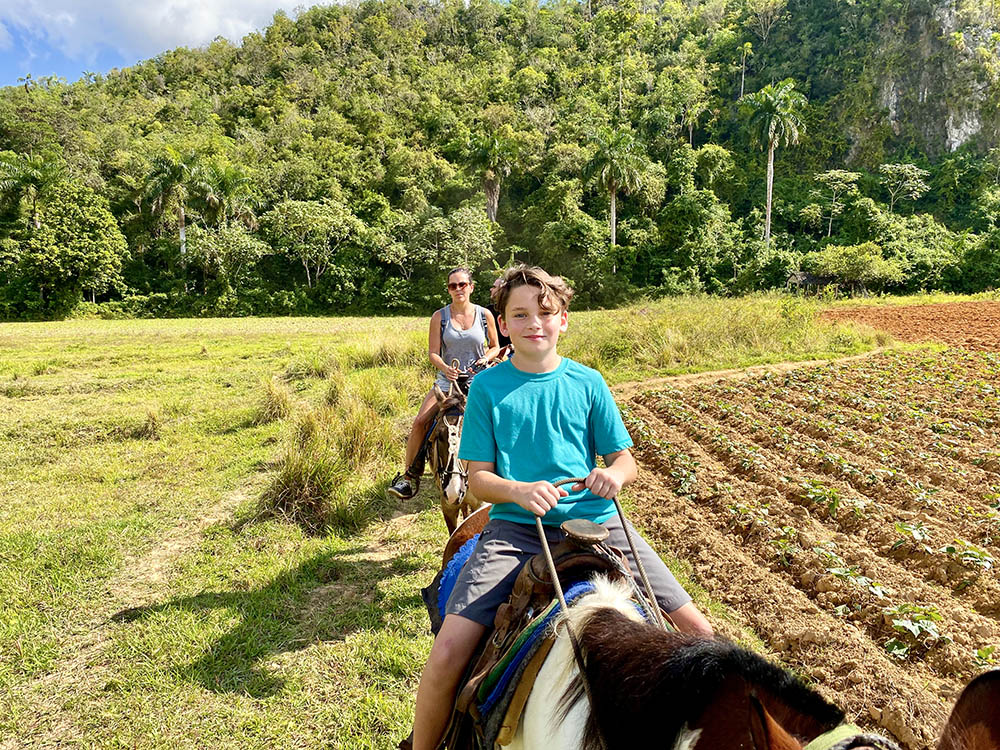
(546, 426)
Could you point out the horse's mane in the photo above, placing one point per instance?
(452, 404)
(665, 679)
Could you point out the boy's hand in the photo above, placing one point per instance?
(538, 497)
(604, 483)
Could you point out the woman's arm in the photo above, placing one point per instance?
(535, 497)
(434, 348)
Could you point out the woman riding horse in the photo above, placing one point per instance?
(459, 331)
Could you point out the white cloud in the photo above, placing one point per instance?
(134, 29)
(5, 40)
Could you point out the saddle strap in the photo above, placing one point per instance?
(512, 718)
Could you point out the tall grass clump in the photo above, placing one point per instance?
(151, 425)
(275, 402)
(405, 349)
(378, 389)
(335, 387)
(317, 364)
(331, 472)
(687, 334)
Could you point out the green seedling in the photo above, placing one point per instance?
(968, 554)
(914, 534)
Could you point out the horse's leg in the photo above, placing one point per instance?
(450, 513)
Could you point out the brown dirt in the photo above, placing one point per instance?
(971, 325)
(788, 491)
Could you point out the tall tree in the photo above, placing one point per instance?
(29, 177)
(312, 232)
(839, 184)
(228, 194)
(618, 166)
(775, 119)
(78, 246)
(903, 181)
(495, 156)
(169, 187)
(764, 14)
(746, 51)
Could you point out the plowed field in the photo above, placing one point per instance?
(972, 325)
(850, 513)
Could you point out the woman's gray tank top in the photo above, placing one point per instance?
(465, 346)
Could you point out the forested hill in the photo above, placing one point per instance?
(338, 161)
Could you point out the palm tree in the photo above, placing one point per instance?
(747, 51)
(228, 194)
(29, 176)
(618, 166)
(169, 186)
(774, 120)
(495, 155)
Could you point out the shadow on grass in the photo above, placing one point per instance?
(324, 599)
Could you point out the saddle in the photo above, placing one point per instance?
(485, 714)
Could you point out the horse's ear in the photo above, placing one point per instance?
(439, 394)
(765, 732)
(974, 723)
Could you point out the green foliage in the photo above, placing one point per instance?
(313, 232)
(903, 181)
(916, 626)
(364, 144)
(76, 246)
(854, 266)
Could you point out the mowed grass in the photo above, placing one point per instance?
(195, 548)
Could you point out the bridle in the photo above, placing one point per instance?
(848, 737)
(453, 465)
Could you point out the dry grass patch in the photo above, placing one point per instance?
(332, 468)
(275, 403)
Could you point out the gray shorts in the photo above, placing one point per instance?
(487, 578)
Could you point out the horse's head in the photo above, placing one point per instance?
(975, 720)
(452, 474)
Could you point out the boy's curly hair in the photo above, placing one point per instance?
(553, 291)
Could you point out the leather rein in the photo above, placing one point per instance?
(577, 651)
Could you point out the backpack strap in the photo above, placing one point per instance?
(445, 317)
(486, 327)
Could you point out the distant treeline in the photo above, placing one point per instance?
(340, 160)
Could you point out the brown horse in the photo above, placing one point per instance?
(688, 693)
(451, 472)
(699, 694)
(975, 720)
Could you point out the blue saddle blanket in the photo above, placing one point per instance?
(450, 573)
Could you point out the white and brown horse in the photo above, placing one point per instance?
(651, 688)
(451, 472)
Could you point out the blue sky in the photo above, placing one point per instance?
(68, 37)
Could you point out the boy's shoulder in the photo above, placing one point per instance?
(582, 371)
(505, 374)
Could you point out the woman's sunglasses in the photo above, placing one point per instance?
(456, 285)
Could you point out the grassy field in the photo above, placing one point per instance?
(194, 545)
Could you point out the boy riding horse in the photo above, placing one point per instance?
(533, 418)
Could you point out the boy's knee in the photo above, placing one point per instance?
(449, 657)
(689, 619)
